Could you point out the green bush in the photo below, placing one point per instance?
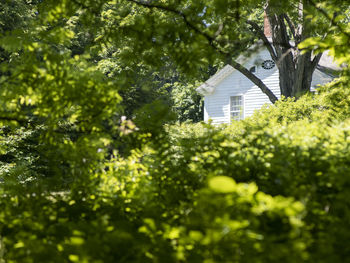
(81, 183)
(264, 189)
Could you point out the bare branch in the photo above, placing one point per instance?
(290, 25)
(254, 79)
(279, 33)
(264, 39)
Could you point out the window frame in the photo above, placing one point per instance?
(241, 111)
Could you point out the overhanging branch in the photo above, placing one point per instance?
(264, 39)
(254, 79)
(212, 41)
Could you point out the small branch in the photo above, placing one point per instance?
(177, 12)
(286, 53)
(218, 32)
(283, 32)
(264, 39)
(315, 61)
(290, 25)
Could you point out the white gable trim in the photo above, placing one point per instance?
(208, 87)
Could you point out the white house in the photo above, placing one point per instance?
(229, 95)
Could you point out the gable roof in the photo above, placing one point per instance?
(326, 65)
(209, 86)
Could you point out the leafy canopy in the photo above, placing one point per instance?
(81, 183)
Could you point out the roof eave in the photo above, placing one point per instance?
(205, 89)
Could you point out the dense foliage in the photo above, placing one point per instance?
(80, 182)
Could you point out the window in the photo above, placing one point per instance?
(252, 69)
(236, 108)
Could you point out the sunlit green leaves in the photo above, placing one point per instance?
(81, 182)
(222, 184)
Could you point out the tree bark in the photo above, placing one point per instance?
(295, 68)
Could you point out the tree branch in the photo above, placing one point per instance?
(315, 61)
(283, 32)
(211, 41)
(290, 25)
(218, 32)
(254, 79)
(264, 39)
(177, 12)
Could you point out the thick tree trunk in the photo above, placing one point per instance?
(303, 75)
(295, 69)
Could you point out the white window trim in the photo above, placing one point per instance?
(243, 105)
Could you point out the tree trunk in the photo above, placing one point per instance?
(295, 69)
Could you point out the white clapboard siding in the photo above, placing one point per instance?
(319, 78)
(254, 98)
(217, 104)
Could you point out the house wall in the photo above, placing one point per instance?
(319, 78)
(217, 105)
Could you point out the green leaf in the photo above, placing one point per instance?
(222, 184)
